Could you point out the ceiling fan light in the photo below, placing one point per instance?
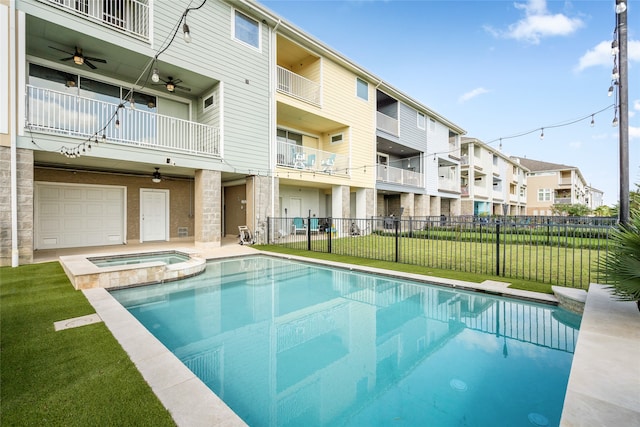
(78, 59)
(170, 86)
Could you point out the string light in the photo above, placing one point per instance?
(542, 133)
(593, 122)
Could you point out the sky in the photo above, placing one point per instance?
(498, 69)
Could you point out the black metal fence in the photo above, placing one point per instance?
(557, 250)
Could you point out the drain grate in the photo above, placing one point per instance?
(76, 322)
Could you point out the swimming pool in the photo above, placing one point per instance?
(289, 343)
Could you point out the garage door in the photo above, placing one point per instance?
(69, 215)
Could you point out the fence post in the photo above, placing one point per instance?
(309, 231)
(268, 230)
(396, 223)
(498, 248)
(330, 225)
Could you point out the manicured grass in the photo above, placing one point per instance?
(75, 377)
(409, 268)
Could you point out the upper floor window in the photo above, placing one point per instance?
(362, 89)
(432, 125)
(421, 120)
(544, 195)
(246, 30)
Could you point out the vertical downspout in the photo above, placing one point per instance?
(12, 134)
(272, 118)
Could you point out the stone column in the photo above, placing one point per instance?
(421, 205)
(435, 206)
(24, 163)
(259, 201)
(208, 209)
(407, 202)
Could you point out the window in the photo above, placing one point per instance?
(209, 101)
(421, 120)
(362, 89)
(432, 125)
(246, 30)
(289, 137)
(336, 139)
(544, 195)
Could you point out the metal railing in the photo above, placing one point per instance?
(129, 16)
(64, 114)
(557, 250)
(390, 174)
(311, 159)
(298, 87)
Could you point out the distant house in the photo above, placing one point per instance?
(491, 181)
(551, 183)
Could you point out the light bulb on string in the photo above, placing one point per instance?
(610, 91)
(614, 48)
(542, 133)
(593, 122)
(615, 75)
(155, 76)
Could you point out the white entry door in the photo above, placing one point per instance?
(154, 215)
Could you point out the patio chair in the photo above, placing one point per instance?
(314, 225)
(298, 225)
(327, 164)
(311, 161)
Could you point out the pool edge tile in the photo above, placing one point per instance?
(187, 398)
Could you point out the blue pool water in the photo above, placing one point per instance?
(285, 343)
(166, 257)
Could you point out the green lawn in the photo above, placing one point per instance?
(75, 377)
(529, 285)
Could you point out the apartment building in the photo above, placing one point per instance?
(417, 158)
(551, 183)
(128, 121)
(492, 183)
(594, 197)
(117, 128)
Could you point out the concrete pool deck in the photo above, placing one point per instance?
(603, 388)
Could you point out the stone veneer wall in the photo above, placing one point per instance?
(259, 201)
(208, 208)
(25, 206)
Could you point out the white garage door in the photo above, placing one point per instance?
(71, 215)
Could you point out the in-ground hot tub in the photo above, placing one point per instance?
(122, 270)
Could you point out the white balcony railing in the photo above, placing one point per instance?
(298, 87)
(310, 159)
(389, 174)
(386, 123)
(130, 16)
(64, 114)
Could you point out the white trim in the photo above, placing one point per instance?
(359, 79)
(233, 30)
(4, 69)
(419, 115)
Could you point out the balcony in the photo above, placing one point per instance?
(298, 87)
(129, 16)
(387, 124)
(392, 175)
(59, 113)
(448, 184)
(311, 159)
(562, 200)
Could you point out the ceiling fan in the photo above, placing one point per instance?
(79, 58)
(172, 85)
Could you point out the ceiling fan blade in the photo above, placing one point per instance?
(104, 61)
(177, 81)
(89, 64)
(68, 53)
(66, 59)
(183, 88)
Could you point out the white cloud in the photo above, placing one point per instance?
(636, 104)
(575, 144)
(634, 132)
(601, 55)
(472, 94)
(537, 24)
